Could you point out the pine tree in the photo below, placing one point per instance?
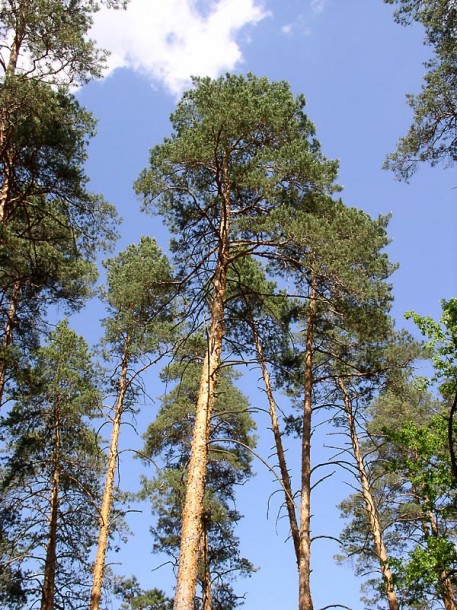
(334, 256)
(410, 481)
(241, 147)
(135, 598)
(51, 477)
(230, 438)
(139, 295)
(432, 135)
(48, 218)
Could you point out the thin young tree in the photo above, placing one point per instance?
(139, 296)
(369, 498)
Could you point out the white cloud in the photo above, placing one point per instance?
(298, 27)
(317, 6)
(171, 40)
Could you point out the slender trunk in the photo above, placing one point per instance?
(99, 564)
(285, 477)
(451, 439)
(8, 336)
(305, 601)
(206, 572)
(195, 488)
(373, 516)
(47, 596)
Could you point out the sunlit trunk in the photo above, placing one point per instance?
(206, 571)
(47, 598)
(99, 565)
(6, 152)
(373, 516)
(196, 480)
(305, 601)
(285, 477)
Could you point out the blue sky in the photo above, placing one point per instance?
(354, 65)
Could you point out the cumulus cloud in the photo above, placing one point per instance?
(169, 41)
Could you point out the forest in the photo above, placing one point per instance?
(268, 275)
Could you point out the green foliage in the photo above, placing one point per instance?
(340, 251)
(43, 154)
(410, 478)
(51, 226)
(135, 598)
(52, 35)
(238, 137)
(442, 344)
(49, 421)
(139, 294)
(419, 573)
(432, 135)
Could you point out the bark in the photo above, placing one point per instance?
(99, 564)
(6, 151)
(47, 597)
(370, 505)
(195, 488)
(447, 592)
(206, 580)
(285, 477)
(305, 601)
(8, 336)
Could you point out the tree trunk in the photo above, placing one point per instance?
(195, 488)
(305, 601)
(6, 152)
(47, 596)
(8, 336)
(206, 572)
(373, 517)
(99, 565)
(447, 592)
(285, 477)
